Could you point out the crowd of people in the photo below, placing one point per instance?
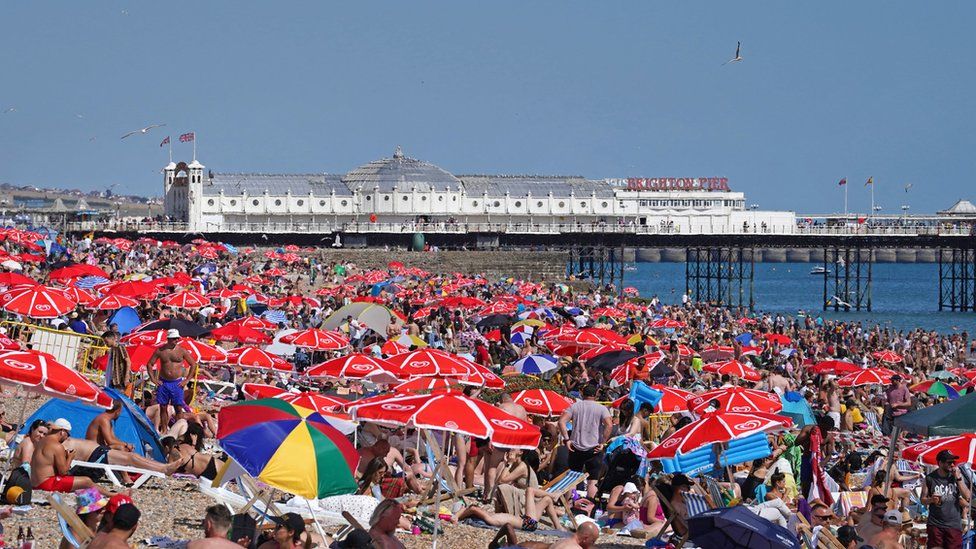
(829, 474)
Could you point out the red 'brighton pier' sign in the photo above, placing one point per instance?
(678, 183)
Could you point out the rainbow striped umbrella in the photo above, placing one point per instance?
(289, 447)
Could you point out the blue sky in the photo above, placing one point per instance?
(601, 89)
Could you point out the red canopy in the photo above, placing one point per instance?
(542, 402)
(737, 399)
(239, 334)
(719, 427)
(40, 373)
(36, 302)
(733, 368)
(252, 357)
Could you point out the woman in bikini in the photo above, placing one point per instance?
(189, 452)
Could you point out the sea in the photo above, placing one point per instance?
(904, 296)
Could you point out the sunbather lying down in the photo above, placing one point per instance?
(537, 501)
(88, 450)
(585, 537)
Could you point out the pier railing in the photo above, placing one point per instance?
(518, 228)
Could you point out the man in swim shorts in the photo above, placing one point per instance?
(170, 378)
(51, 461)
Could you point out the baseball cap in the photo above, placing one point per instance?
(847, 534)
(117, 501)
(893, 517)
(62, 424)
(630, 488)
(292, 521)
(126, 517)
(172, 333)
(946, 455)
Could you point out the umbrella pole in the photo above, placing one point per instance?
(315, 520)
(895, 431)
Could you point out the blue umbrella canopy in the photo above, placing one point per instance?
(738, 528)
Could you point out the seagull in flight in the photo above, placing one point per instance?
(143, 130)
(738, 56)
(9, 110)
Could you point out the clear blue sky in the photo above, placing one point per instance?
(601, 89)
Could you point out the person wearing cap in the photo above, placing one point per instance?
(114, 502)
(51, 461)
(124, 523)
(288, 533)
(888, 537)
(848, 537)
(170, 378)
(943, 492)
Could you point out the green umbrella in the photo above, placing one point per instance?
(949, 418)
(942, 374)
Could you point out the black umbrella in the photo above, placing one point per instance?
(494, 321)
(738, 528)
(611, 359)
(186, 329)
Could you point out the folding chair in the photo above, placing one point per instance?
(442, 476)
(558, 487)
(872, 420)
(849, 501)
(111, 471)
(72, 528)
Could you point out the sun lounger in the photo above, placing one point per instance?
(111, 471)
(72, 528)
(559, 487)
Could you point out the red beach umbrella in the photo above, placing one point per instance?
(240, 334)
(719, 427)
(314, 401)
(351, 366)
(186, 300)
(542, 402)
(737, 399)
(963, 445)
(112, 302)
(868, 376)
(40, 373)
(733, 368)
(252, 357)
(316, 339)
(36, 302)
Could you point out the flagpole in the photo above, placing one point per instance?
(170, 143)
(195, 153)
(872, 198)
(845, 200)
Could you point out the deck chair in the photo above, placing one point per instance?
(823, 538)
(851, 500)
(220, 389)
(442, 476)
(559, 487)
(905, 467)
(871, 418)
(72, 528)
(695, 503)
(111, 472)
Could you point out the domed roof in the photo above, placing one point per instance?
(399, 173)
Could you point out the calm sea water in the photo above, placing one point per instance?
(904, 295)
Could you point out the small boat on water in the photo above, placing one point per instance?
(819, 270)
(630, 268)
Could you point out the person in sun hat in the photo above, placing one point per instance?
(943, 490)
(90, 506)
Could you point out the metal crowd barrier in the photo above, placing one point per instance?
(72, 349)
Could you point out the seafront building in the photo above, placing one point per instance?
(400, 189)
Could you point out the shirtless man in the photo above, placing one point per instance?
(890, 535)
(216, 527)
(88, 450)
(778, 382)
(100, 430)
(51, 461)
(585, 537)
(170, 378)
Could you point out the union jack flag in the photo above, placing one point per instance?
(187, 137)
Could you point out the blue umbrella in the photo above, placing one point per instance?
(206, 268)
(519, 338)
(89, 282)
(536, 364)
(744, 338)
(738, 528)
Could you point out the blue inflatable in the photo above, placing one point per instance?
(641, 393)
(702, 460)
(132, 426)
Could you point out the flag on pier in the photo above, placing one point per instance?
(187, 137)
(842, 182)
(165, 141)
(870, 181)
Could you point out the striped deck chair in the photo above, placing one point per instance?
(695, 503)
(872, 420)
(906, 468)
(558, 487)
(849, 501)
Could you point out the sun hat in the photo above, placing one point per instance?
(89, 500)
(172, 333)
(630, 488)
(62, 424)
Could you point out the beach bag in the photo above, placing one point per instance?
(243, 525)
(17, 490)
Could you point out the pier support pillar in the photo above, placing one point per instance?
(847, 278)
(723, 276)
(957, 279)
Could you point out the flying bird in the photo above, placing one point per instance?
(908, 187)
(92, 138)
(143, 130)
(264, 237)
(9, 109)
(738, 57)
(79, 116)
